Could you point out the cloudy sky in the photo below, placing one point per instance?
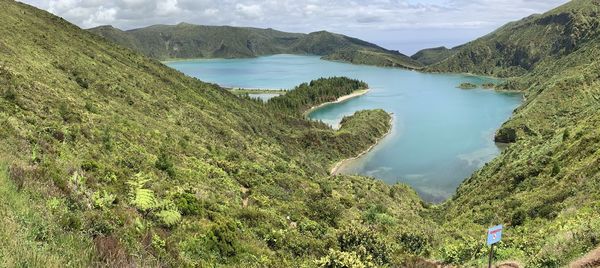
(405, 25)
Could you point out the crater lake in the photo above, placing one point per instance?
(441, 134)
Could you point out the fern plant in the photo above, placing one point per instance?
(103, 199)
(169, 217)
(140, 197)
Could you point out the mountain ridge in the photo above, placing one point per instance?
(184, 40)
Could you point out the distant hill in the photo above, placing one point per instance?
(431, 56)
(184, 41)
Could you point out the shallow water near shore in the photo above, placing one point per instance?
(263, 96)
(441, 134)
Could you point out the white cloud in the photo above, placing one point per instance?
(167, 7)
(253, 11)
(446, 22)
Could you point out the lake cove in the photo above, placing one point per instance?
(440, 134)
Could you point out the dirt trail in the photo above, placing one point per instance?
(590, 260)
(245, 196)
(508, 265)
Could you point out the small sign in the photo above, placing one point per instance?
(494, 235)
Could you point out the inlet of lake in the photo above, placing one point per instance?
(441, 134)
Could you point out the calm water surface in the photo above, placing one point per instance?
(263, 96)
(440, 135)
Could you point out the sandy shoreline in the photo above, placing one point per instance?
(352, 95)
(334, 170)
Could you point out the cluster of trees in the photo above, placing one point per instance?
(319, 91)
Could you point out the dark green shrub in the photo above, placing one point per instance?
(71, 221)
(414, 243)
(39, 231)
(224, 237)
(253, 217)
(355, 237)
(467, 86)
(165, 163)
(99, 224)
(547, 211)
(90, 107)
(107, 140)
(518, 217)
(188, 204)
(488, 85)
(327, 210)
(326, 188)
(311, 227)
(371, 214)
(10, 95)
(566, 135)
(82, 82)
(555, 169)
(89, 165)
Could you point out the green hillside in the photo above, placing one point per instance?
(518, 47)
(545, 185)
(431, 56)
(184, 41)
(108, 158)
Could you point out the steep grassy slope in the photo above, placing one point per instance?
(110, 158)
(519, 47)
(195, 41)
(431, 56)
(545, 186)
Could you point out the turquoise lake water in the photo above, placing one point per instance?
(440, 134)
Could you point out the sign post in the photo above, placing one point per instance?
(494, 235)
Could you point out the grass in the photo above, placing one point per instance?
(30, 237)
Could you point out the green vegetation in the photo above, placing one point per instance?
(544, 186)
(185, 41)
(431, 56)
(488, 85)
(519, 47)
(108, 158)
(467, 86)
(323, 90)
(371, 57)
(30, 236)
(112, 159)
